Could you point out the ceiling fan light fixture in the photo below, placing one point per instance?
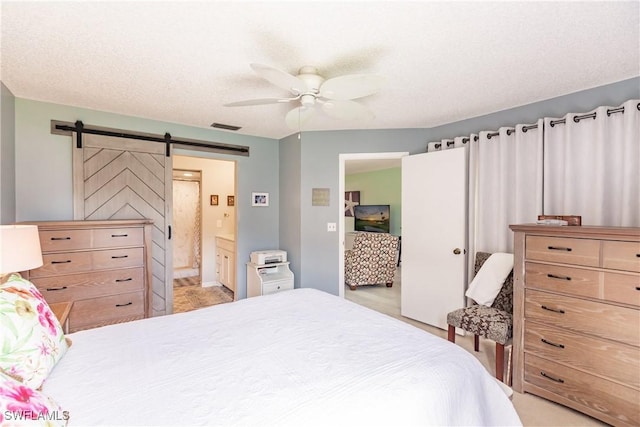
(308, 100)
(335, 95)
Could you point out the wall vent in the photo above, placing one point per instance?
(223, 126)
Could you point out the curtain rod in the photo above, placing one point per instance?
(167, 139)
(577, 119)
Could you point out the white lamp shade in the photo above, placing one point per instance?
(19, 248)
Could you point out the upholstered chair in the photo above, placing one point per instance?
(494, 323)
(372, 260)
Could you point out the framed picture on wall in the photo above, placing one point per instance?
(231, 200)
(259, 199)
(351, 199)
(214, 200)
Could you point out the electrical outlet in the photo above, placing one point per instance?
(331, 226)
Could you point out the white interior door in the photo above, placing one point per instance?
(434, 212)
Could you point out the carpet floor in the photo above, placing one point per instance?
(189, 295)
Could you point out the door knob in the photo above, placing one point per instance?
(457, 251)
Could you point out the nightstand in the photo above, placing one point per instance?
(61, 311)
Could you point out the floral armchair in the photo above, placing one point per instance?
(494, 323)
(372, 260)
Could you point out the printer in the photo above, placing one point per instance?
(272, 256)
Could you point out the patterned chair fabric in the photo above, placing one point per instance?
(372, 260)
(495, 322)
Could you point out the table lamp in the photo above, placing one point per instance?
(19, 249)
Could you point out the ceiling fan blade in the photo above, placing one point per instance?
(280, 78)
(351, 86)
(347, 110)
(299, 116)
(261, 101)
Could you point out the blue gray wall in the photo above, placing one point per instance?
(290, 202)
(319, 153)
(7, 157)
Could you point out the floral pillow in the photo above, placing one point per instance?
(22, 405)
(31, 338)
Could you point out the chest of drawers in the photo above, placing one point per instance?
(102, 267)
(577, 318)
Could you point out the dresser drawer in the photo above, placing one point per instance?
(620, 402)
(568, 280)
(106, 310)
(118, 258)
(624, 288)
(62, 263)
(116, 237)
(75, 287)
(619, 362)
(621, 255)
(589, 317)
(563, 250)
(64, 240)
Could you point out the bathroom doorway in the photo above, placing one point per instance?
(187, 224)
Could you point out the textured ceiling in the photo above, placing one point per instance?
(179, 61)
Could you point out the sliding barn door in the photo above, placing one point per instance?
(118, 178)
(434, 191)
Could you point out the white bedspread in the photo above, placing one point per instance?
(294, 358)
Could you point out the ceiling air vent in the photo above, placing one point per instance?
(223, 126)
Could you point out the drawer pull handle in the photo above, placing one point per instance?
(124, 280)
(558, 248)
(119, 256)
(62, 288)
(555, 310)
(119, 235)
(558, 380)
(61, 238)
(552, 343)
(61, 262)
(555, 276)
(124, 305)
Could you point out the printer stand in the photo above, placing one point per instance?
(268, 278)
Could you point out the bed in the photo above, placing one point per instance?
(300, 357)
(295, 358)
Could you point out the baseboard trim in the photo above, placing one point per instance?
(209, 284)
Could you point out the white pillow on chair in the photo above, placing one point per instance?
(486, 286)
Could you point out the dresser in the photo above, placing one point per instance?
(101, 267)
(576, 338)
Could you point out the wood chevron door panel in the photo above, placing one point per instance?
(118, 178)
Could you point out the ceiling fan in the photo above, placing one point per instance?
(335, 96)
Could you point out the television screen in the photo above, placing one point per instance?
(373, 218)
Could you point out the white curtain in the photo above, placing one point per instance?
(506, 185)
(592, 165)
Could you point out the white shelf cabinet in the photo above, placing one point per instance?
(268, 278)
(226, 262)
